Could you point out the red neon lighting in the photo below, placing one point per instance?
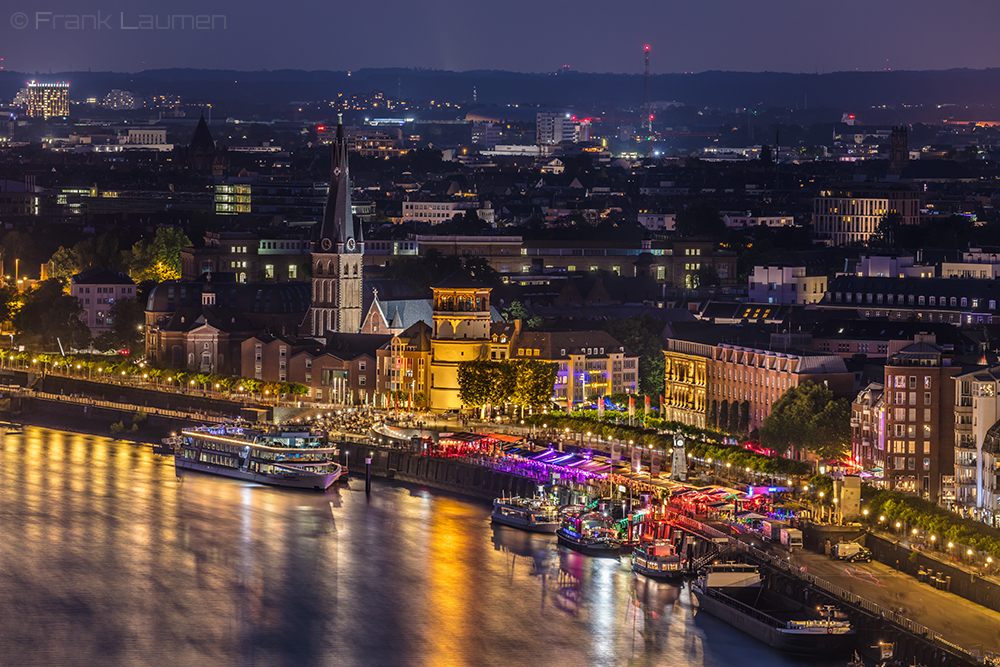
(321, 128)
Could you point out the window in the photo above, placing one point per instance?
(927, 447)
(362, 365)
(293, 272)
(927, 430)
(927, 382)
(927, 465)
(927, 414)
(913, 382)
(361, 380)
(965, 302)
(927, 398)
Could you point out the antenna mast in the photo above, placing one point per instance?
(645, 96)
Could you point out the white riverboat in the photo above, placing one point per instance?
(287, 459)
(537, 515)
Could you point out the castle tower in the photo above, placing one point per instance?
(899, 151)
(461, 333)
(337, 255)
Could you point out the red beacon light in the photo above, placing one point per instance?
(321, 128)
(647, 47)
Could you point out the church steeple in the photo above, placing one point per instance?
(337, 232)
(337, 258)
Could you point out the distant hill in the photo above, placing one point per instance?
(978, 89)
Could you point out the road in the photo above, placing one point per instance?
(965, 623)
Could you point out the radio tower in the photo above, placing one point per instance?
(645, 96)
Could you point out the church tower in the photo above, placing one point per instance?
(337, 255)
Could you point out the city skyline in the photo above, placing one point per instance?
(729, 35)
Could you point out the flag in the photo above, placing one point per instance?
(569, 400)
(663, 406)
(646, 406)
(631, 406)
(636, 459)
(654, 464)
(616, 453)
(600, 408)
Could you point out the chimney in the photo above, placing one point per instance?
(517, 327)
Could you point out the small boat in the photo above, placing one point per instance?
(590, 533)
(655, 552)
(734, 593)
(168, 446)
(537, 515)
(288, 459)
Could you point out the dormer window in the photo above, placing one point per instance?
(562, 352)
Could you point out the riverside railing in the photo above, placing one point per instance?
(124, 407)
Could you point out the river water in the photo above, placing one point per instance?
(107, 557)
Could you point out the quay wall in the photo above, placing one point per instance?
(439, 473)
(96, 420)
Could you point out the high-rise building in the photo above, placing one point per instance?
(554, 128)
(338, 254)
(48, 100)
(920, 419)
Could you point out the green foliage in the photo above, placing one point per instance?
(62, 265)
(948, 526)
(711, 414)
(534, 382)
(640, 334)
(807, 418)
(647, 437)
(724, 416)
(743, 421)
(50, 313)
(117, 427)
(480, 269)
(128, 316)
(161, 259)
(484, 382)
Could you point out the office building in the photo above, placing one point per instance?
(48, 100)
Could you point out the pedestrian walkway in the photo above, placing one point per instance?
(124, 407)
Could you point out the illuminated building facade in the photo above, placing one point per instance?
(48, 100)
(461, 333)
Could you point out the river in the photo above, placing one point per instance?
(107, 557)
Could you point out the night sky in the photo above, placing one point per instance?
(516, 35)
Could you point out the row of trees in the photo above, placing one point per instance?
(157, 260)
(916, 511)
(726, 417)
(527, 383)
(124, 369)
(650, 438)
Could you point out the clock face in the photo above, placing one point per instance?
(350, 244)
(326, 244)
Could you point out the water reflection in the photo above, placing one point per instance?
(109, 557)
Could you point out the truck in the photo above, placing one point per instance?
(851, 551)
(791, 538)
(771, 530)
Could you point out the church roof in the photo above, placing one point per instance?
(338, 223)
(202, 138)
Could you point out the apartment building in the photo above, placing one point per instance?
(920, 422)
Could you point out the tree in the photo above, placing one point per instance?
(640, 334)
(886, 232)
(534, 382)
(743, 423)
(706, 276)
(484, 382)
(515, 310)
(480, 269)
(51, 314)
(127, 316)
(98, 252)
(711, 414)
(765, 155)
(62, 264)
(808, 418)
(724, 416)
(161, 259)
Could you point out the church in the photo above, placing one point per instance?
(337, 256)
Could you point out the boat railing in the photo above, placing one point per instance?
(854, 599)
